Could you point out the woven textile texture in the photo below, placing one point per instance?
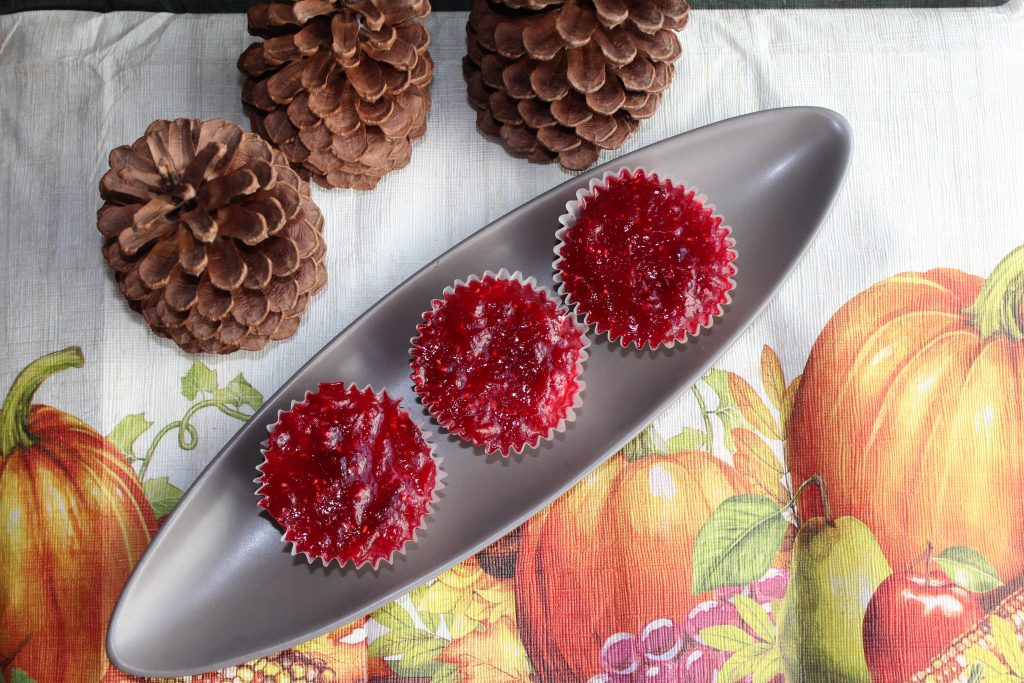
(903, 324)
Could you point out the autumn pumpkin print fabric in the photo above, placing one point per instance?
(854, 519)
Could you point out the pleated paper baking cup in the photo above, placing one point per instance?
(480, 374)
(619, 268)
(319, 481)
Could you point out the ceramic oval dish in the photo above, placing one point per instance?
(218, 587)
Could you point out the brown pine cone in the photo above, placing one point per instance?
(212, 236)
(567, 78)
(341, 86)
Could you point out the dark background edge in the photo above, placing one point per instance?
(223, 6)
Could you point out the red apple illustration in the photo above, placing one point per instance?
(910, 619)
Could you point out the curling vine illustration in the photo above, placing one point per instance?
(201, 386)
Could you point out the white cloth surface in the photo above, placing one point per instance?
(935, 98)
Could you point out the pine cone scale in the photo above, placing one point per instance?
(609, 98)
(559, 138)
(572, 110)
(282, 294)
(611, 12)
(550, 80)
(616, 46)
(211, 302)
(580, 157)
(259, 269)
(156, 266)
(519, 139)
(134, 237)
(575, 25)
(111, 220)
(182, 290)
(299, 113)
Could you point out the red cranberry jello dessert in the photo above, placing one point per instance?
(643, 260)
(497, 362)
(348, 475)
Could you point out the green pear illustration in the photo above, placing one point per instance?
(836, 566)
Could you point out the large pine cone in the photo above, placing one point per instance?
(212, 236)
(341, 86)
(566, 79)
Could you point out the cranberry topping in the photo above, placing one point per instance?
(496, 363)
(646, 261)
(348, 475)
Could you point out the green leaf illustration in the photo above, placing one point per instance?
(726, 638)
(418, 649)
(743, 663)
(985, 659)
(199, 378)
(394, 616)
(746, 441)
(726, 410)
(447, 673)
(755, 617)
(718, 380)
(689, 439)
(421, 658)
(772, 378)
(126, 432)
(162, 495)
(737, 543)
(431, 621)
(968, 568)
(779, 610)
(753, 408)
(398, 641)
(768, 666)
(788, 399)
(238, 392)
(1006, 642)
(975, 676)
(19, 676)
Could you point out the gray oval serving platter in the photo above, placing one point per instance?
(218, 586)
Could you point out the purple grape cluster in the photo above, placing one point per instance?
(667, 652)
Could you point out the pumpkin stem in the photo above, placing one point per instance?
(648, 442)
(14, 413)
(999, 308)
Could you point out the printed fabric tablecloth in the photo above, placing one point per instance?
(891, 365)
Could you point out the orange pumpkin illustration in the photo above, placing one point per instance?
(911, 409)
(73, 522)
(613, 554)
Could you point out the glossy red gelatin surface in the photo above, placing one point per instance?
(348, 475)
(495, 363)
(646, 261)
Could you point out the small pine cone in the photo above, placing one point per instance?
(212, 236)
(566, 79)
(341, 86)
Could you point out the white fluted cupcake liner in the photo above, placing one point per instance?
(531, 283)
(572, 215)
(439, 482)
